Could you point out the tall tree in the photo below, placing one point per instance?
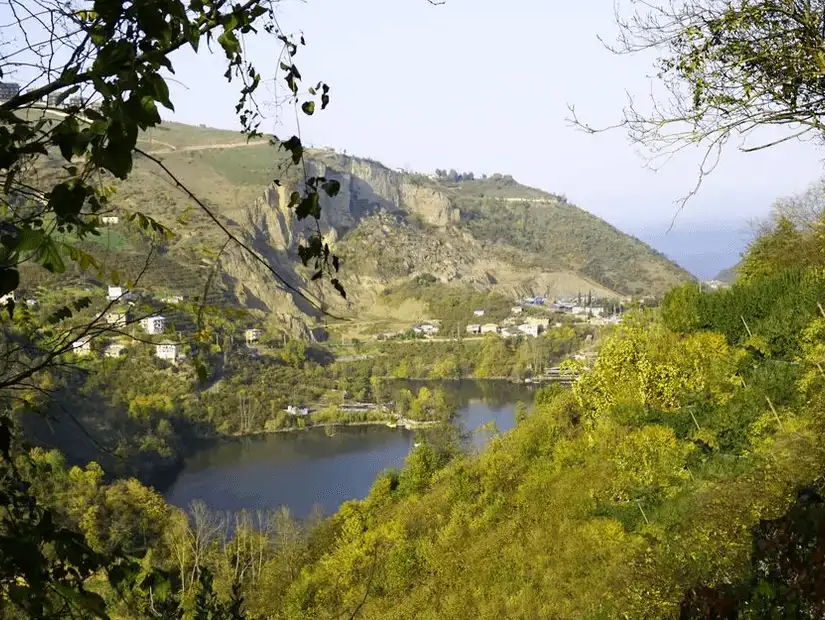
(725, 69)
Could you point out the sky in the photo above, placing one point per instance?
(483, 86)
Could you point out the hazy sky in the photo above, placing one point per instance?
(483, 85)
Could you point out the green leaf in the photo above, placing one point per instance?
(67, 200)
(310, 205)
(9, 280)
(160, 91)
(87, 601)
(50, 257)
(308, 107)
(294, 146)
(331, 187)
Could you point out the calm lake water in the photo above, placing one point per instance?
(308, 468)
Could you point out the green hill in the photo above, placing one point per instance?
(491, 234)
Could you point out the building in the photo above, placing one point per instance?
(8, 90)
(109, 219)
(31, 302)
(473, 328)
(117, 319)
(293, 410)
(174, 299)
(489, 328)
(113, 350)
(478, 312)
(82, 346)
(167, 350)
(510, 332)
(529, 329)
(597, 311)
(516, 310)
(252, 335)
(542, 322)
(153, 324)
(425, 328)
(116, 292)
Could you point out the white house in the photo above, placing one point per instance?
(116, 292)
(597, 311)
(516, 310)
(478, 312)
(473, 328)
(117, 319)
(511, 332)
(82, 346)
(153, 324)
(293, 410)
(252, 335)
(174, 299)
(489, 328)
(426, 328)
(578, 310)
(167, 350)
(109, 219)
(530, 329)
(113, 350)
(541, 322)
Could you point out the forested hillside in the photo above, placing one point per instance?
(665, 482)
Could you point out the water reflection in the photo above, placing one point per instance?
(309, 468)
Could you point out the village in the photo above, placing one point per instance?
(120, 326)
(530, 317)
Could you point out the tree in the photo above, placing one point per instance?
(294, 353)
(726, 69)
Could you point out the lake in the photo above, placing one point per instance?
(305, 469)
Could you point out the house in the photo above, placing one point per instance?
(511, 332)
(578, 310)
(31, 302)
(82, 346)
(167, 350)
(109, 219)
(153, 324)
(425, 328)
(252, 335)
(489, 328)
(8, 90)
(473, 328)
(174, 299)
(117, 319)
(516, 310)
(529, 329)
(116, 292)
(293, 410)
(541, 322)
(478, 312)
(597, 311)
(113, 350)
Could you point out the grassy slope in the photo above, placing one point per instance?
(526, 237)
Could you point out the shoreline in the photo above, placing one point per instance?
(410, 425)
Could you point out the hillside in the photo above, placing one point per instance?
(727, 275)
(489, 234)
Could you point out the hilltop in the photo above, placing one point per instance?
(489, 234)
